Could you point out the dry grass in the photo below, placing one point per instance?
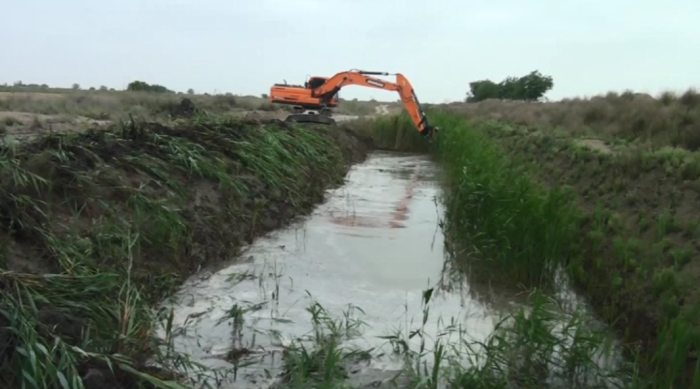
(116, 105)
(106, 105)
(667, 120)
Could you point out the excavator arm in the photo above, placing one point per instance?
(330, 88)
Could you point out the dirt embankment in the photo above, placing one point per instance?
(95, 226)
(640, 260)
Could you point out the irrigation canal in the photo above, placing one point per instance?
(374, 244)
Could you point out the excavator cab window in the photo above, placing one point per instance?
(315, 82)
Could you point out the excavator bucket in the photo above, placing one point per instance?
(310, 118)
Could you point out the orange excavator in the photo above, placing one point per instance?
(313, 102)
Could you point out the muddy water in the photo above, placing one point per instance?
(374, 244)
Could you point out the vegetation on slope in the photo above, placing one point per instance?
(640, 257)
(651, 123)
(620, 223)
(395, 133)
(506, 219)
(97, 225)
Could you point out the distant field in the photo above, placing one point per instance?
(669, 119)
(30, 110)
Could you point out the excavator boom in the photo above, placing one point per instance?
(316, 94)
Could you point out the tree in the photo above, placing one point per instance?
(482, 90)
(264, 96)
(140, 86)
(76, 86)
(92, 88)
(103, 88)
(190, 91)
(530, 88)
(18, 83)
(534, 86)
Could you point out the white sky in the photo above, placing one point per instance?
(244, 46)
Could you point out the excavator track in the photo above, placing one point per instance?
(311, 118)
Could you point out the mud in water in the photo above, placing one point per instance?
(375, 244)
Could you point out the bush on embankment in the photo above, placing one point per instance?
(97, 225)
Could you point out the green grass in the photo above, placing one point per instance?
(393, 133)
(320, 359)
(542, 345)
(514, 226)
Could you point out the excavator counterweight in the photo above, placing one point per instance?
(314, 100)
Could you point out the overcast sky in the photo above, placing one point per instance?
(244, 46)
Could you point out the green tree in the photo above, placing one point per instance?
(76, 86)
(140, 86)
(482, 90)
(531, 87)
(510, 89)
(159, 89)
(103, 88)
(190, 91)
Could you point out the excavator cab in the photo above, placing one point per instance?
(315, 82)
